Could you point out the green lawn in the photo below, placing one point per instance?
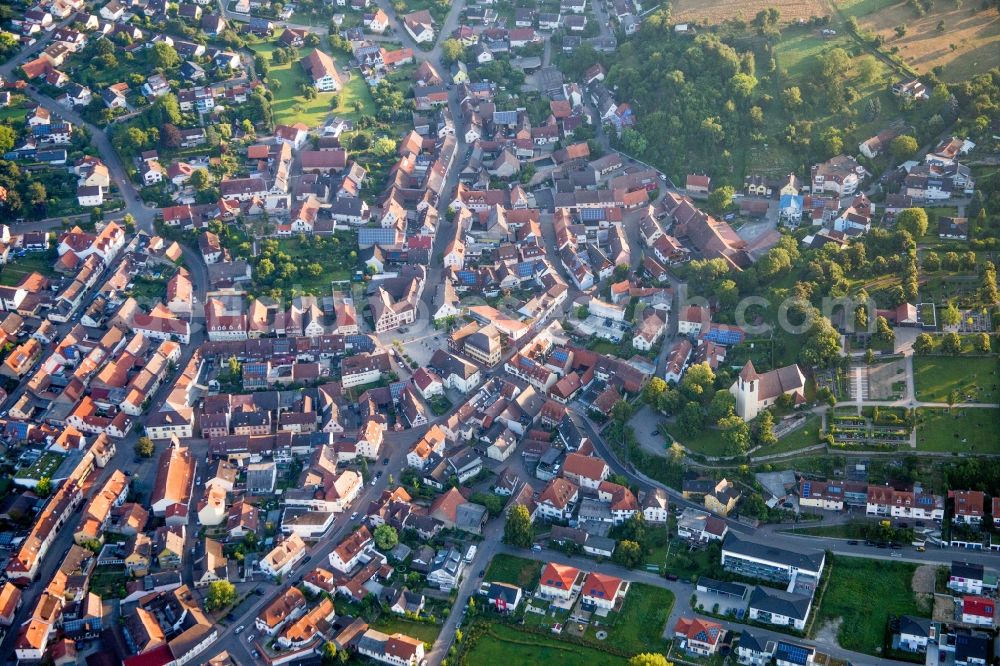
(689, 565)
(507, 645)
(290, 106)
(975, 378)
(33, 262)
(391, 624)
(708, 442)
(514, 570)
(355, 90)
(15, 111)
(863, 593)
(805, 436)
(639, 626)
(970, 430)
(859, 8)
(108, 582)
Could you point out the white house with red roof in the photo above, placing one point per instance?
(699, 636)
(585, 471)
(602, 591)
(978, 610)
(559, 581)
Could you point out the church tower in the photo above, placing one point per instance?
(746, 390)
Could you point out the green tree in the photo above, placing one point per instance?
(493, 503)
(44, 487)
(200, 179)
(653, 392)
(951, 344)
(386, 537)
(735, 434)
(452, 50)
(649, 659)
(932, 262)
(221, 594)
(633, 142)
(903, 147)
(621, 412)
(627, 554)
(383, 146)
(950, 316)
(7, 138)
(982, 343)
(988, 288)
(792, 98)
(764, 429)
(912, 220)
(164, 56)
(691, 420)
(883, 331)
(37, 196)
(723, 404)
(923, 344)
(720, 199)
(517, 529)
(698, 382)
(329, 654)
(144, 447)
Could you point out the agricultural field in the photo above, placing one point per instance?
(715, 11)
(962, 40)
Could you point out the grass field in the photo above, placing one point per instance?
(639, 627)
(290, 106)
(967, 43)
(885, 588)
(976, 379)
(391, 624)
(716, 11)
(708, 442)
(805, 436)
(506, 645)
(35, 262)
(963, 431)
(514, 570)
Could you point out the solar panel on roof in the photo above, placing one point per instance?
(723, 336)
(505, 117)
(560, 355)
(525, 268)
(396, 389)
(592, 214)
(793, 653)
(806, 489)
